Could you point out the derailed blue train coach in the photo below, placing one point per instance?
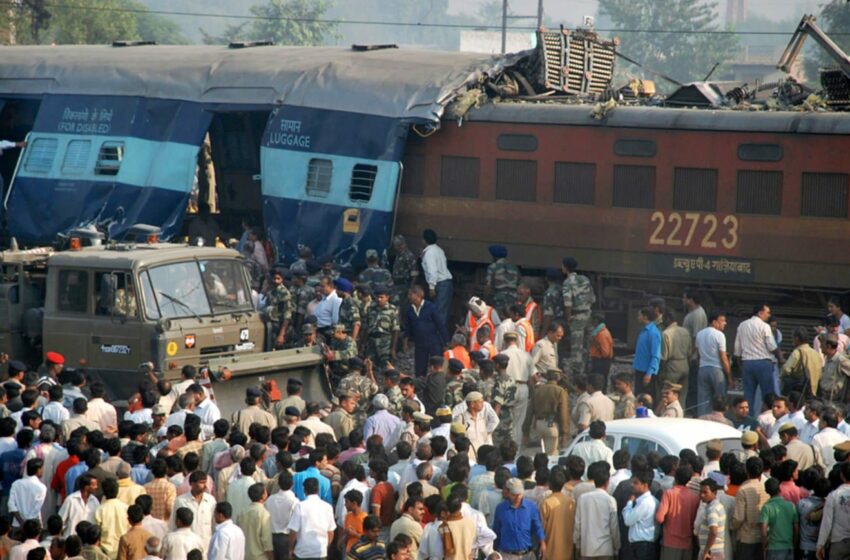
(307, 141)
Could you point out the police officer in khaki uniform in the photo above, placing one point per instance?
(549, 414)
(242, 419)
(671, 407)
(342, 419)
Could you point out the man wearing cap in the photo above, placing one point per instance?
(517, 524)
(54, 363)
(442, 424)
(479, 420)
(671, 407)
(374, 274)
(349, 311)
(552, 308)
(478, 316)
(425, 326)
(309, 336)
(17, 369)
(340, 350)
(455, 384)
(342, 418)
(382, 329)
(548, 414)
(579, 298)
(279, 309)
(242, 419)
(301, 296)
(393, 392)
(502, 278)
(359, 380)
(294, 387)
(382, 423)
(750, 444)
(521, 369)
(804, 454)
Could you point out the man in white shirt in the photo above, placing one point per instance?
(437, 273)
(714, 371)
(596, 531)
(28, 494)
(327, 310)
(828, 437)
(312, 525)
(756, 348)
(313, 421)
(228, 540)
(30, 534)
(182, 540)
(79, 506)
(100, 411)
(206, 408)
(54, 410)
(593, 450)
(200, 504)
(156, 527)
(281, 505)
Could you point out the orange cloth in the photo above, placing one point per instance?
(459, 353)
(355, 523)
(602, 344)
(525, 325)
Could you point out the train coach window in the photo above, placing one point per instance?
(517, 142)
(40, 154)
(759, 192)
(76, 158)
(459, 176)
(575, 182)
(109, 158)
(760, 152)
(695, 189)
(635, 148)
(319, 173)
(362, 182)
(824, 195)
(634, 186)
(516, 179)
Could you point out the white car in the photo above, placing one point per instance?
(667, 436)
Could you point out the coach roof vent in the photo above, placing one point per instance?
(133, 43)
(249, 44)
(363, 48)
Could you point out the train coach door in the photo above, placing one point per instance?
(106, 161)
(330, 181)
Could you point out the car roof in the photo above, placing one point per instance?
(129, 256)
(673, 433)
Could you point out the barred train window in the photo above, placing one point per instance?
(319, 173)
(362, 182)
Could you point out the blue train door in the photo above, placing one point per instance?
(330, 181)
(106, 161)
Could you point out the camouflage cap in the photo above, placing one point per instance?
(371, 254)
(339, 328)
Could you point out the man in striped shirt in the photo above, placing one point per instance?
(756, 348)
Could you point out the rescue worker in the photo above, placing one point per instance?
(374, 274)
(502, 278)
(601, 345)
(484, 343)
(382, 329)
(549, 415)
(579, 298)
(457, 350)
(504, 400)
(522, 327)
(670, 405)
(254, 413)
(341, 349)
(360, 379)
(530, 309)
(479, 314)
(279, 309)
(349, 311)
(405, 270)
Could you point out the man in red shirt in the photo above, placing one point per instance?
(75, 448)
(601, 346)
(676, 515)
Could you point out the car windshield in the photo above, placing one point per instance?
(196, 289)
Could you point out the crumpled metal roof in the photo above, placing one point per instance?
(402, 83)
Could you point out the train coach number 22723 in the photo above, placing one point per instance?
(694, 231)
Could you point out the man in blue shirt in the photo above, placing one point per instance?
(11, 462)
(647, 353)
(639, 517)
(318, 461)
(515, 522)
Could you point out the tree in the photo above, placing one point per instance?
(92, 22)
(834, 19)
(686, 52)
(153, 27)
(292, 22)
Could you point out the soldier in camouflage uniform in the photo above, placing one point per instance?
(341, 349)
(349, 311)
(502, 279)
(553, 311)
(374, 274)
(405, 270)
(487, 379)
(301, 296)
(382, 329)
(304, 256)
(361, 380)
(504, 398)
(279, 310)
(327, 267)
(579, 298)
(455, 384)
(393, 391)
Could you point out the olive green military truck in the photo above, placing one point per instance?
(113, 307)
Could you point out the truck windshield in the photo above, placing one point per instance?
(196, 289)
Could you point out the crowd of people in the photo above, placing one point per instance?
(440, 461)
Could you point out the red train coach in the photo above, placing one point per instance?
(736, 201)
